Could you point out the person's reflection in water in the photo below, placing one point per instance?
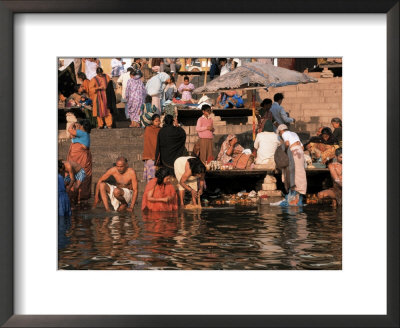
(101, 235)
(135, 229)
(290, 233)
(160, 224)
(64, 223)
(160, 228)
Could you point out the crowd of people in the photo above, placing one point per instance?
(166, 161)
(165, 157)
(154, 77)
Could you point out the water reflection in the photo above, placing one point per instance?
(240, 238)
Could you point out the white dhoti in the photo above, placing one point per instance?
(114, 201)
(299, 170)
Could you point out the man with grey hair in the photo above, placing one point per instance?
(125, 192)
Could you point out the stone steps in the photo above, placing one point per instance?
(106, 146)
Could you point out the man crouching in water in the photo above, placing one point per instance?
(123, 193)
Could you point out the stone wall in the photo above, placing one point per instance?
(312, 105)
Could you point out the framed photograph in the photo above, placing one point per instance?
(237, 261)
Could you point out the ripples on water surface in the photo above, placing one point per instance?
(258, 238)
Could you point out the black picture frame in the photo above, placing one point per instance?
(7, 172)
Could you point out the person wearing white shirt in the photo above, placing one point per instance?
(90, 68)
(117, 67)
(292, 141)
(225, 67)
(266, 144)
(122, 81)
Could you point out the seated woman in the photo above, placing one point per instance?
(323, 148)
(229, 149)
(159, 195)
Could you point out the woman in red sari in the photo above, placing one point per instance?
(79, 152)
(159, 195)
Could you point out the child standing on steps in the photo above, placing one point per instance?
(205, 130)
(186, 89)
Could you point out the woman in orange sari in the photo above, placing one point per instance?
(97, 92)
(79, 152)
(159, 195)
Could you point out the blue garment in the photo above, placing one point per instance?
(82, 137)
(239, 101)
(64, 224)
(225, 101)
(86, 102)
(64, 206)
(280, 115)
(80, 176)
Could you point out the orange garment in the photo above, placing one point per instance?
(108, 120)
(150, 142)
(160, 225)
(85, 85)
(160, 191)
(81, 154)
(99, 97)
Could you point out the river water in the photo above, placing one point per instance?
(260, 238)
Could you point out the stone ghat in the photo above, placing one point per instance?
(108, 144)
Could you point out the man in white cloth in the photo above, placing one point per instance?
(123, 193)
(266, 143)
(293, 142)
(155, 88)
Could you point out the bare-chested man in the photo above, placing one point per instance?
(123, 193)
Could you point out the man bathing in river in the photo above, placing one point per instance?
(123, 193)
